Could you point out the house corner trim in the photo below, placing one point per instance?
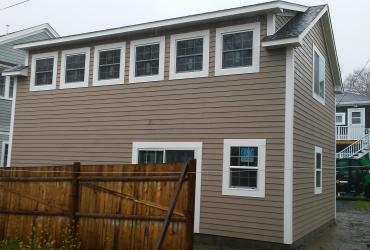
(288, 147)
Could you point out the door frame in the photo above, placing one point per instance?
(196, 146)
(361, 110)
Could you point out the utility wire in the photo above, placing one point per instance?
(355, 79)
(13, 5)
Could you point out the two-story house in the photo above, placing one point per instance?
(248, 92)
(9, 58)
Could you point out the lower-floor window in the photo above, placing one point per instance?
(4, 154)
(244, 167)
(164, 156)
(318, 170)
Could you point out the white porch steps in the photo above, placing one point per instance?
(356, 150)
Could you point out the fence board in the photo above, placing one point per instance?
(113, 206)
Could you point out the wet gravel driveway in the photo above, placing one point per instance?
(351, 232)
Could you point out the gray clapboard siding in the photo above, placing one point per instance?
(313, 126)
(5, 113)
(99, 124)
(15, 56)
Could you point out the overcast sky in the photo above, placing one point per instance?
(350, 19)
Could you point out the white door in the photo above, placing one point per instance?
(356, 123)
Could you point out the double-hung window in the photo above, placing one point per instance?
(75, 68)
(244, 167)
(318, 170)
(189, 55)
(109, 64)
(7, 87)
(44, 71)
(318, 76)
(147, 60)
(237, 49)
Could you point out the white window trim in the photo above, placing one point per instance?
(2, 163)
(255, 27)
(81, 84)
(35, 57)
(226, 189)
(160, 76)
(104, 47)
(173, 53)
(318, 190)
(343, 115)
(197, 147)
(316, 96)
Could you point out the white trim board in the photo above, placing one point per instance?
(12, 120)
(288, 147)
(269, 7)
(197, 147)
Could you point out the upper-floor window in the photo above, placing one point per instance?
(75, 68)
(147, 60)
(189, 55)
(43, 72)
(318, 75)
(109, 64)
(244, 167)
(237, 49)
(7, 87)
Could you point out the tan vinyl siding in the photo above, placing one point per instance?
(99, 124)
(280, 21)
(313, 126)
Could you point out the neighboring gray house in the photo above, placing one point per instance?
(10, 58)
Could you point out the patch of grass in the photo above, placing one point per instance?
(363, 205)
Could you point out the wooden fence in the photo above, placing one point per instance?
(110, 206)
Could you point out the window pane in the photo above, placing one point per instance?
(189, 55)
(175, 156)
(150, 157)
(109, 64)
(318, 161)
(75, 68)
(338, 119)
(44, 71)
(2, 85)
(318, 178)
(244, 156)
(147, 60)
(11, 87)
(319, 76)
(237, 49)
(243, 178)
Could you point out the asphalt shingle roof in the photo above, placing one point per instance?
(351, 97)
(297, 24)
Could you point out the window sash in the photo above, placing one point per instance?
(165, 153)
(319, 75)
(112, 69)
(45, 75)
(196, 54)
(2, 86)
(11, 87)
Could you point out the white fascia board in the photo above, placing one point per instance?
(30, 31)
(23, 72)
(270, 7)
(353, 103)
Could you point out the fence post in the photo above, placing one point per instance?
(191, 204)
(74, 196)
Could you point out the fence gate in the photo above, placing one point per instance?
(103, 206)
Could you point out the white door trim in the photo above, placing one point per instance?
(197, 147)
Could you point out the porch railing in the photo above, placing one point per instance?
(350, 133)
(355, 148)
